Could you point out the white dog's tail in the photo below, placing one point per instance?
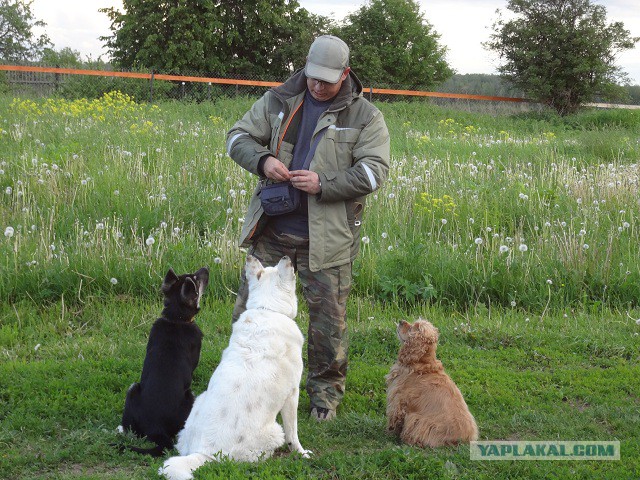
(181, 468)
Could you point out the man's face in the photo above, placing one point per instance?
(323, 91)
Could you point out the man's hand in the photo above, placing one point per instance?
(306, 180)
(274, 169)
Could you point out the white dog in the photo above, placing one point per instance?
(257, 378)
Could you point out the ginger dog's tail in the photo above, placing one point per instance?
(181, 468)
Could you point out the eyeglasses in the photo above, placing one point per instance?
(320, 83)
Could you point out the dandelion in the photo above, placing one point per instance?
(625, 225)
(116, 192)
(523, 247)
(478, 241)
(472, 221)
(444, 221)
(392, 196)
(217, 260)
(504, 249)
(100, 226)
(176, 231)
(8, 232)
(489, 229)
(513, 303)
(638, 321)
(83, 182)
(113, 281)
(150, 241)
(163, 224)
(229, 211)
(585, 246)
(389, 248)
(549, 281)
(366, 240)
(385, 235)
(8, 190)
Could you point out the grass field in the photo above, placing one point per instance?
(516, 235)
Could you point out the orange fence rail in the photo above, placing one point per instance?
(252, 83)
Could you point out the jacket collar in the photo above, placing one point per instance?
(297, 84)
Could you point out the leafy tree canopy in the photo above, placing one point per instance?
(17, 41)
(392, 43)
(560, 52)
(234, 37)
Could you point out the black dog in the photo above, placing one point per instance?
(158, 406)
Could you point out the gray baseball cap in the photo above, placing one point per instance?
(327, 59)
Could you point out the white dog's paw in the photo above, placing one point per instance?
(305, 453)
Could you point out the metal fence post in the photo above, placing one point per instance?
(151, 88)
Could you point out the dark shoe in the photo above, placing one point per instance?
(321, 414)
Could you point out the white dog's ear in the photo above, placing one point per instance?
(253, 267)
(285, 269)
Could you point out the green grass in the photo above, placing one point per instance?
(523, 377)
(517, 235)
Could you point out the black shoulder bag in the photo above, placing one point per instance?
(282, 197)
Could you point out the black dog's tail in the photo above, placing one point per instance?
(157, 451)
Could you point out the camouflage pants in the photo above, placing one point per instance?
(326, 293)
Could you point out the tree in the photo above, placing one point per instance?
(17, 40)
(248, 37)
(65, 58)
(392, 43)
(560, 52)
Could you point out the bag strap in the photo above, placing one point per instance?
(312, 150)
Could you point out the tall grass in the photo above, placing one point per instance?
(525, 211)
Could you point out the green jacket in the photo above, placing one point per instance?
(352, 160)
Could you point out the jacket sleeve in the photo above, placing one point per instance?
(248, 139)
(369, 167)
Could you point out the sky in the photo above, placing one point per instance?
(462, 25)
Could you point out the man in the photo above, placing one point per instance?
(318, 112)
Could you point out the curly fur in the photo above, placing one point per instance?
(424, 407)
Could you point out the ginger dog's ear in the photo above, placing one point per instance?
(421, 337)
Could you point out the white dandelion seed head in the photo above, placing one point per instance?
(626, 225)
(489, 229)
(444, 221)
(549, 281)
(8, 190)
(504, 249)
(176, 231)
(385, 235)
(8, 232)
(585, 246)
(513, 303)
(523, 247)
(150, 241)
(472, 221)
(392, 196)
(217, 260)
(163, 224)
(389, 248)
(229, 211)
(478, 241)
(113, 281)
(366, 240)
(100, 226)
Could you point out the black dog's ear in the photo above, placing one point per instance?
(203, 277)
(169, 281)
(189, 291)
